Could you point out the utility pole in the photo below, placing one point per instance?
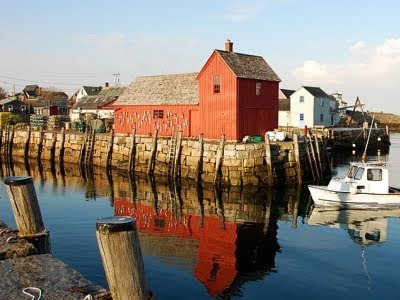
(116, 79)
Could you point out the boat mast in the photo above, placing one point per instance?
(364, 156)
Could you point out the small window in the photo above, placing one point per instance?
(321, 117)
(374, 174)
(10, 108)
(23, 108)
(301, 99)
(158, 114)
(301, 117)
(321, 102)
(352, 171)
(216, 84)
(359, 174)
(258, 88)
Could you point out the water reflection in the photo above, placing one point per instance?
(365, 227)
(230, 233)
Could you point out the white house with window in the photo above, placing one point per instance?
(311, 106)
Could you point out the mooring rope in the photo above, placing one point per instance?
(30, 295)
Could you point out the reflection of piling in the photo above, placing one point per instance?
(121, 255)
(267, 213)
(199, 190)
(218, 160)
(153, 189)
(28, 217)
(40, 144)
(27, 141)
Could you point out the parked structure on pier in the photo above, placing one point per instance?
(233, 94)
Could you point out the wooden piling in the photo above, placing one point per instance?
(318, 154)
(110, 150)
(313, 158)
(27, 141)
(220, 155)
(53, 147)
(11, 143)
(1, 142)
(40, 144)
(177, 156)
(121, 255)
(199, 169)
(25, 206)
(62, 146)
(132, 151)
(268, 160)
(309, 158)
(297, 158)
(152, 160)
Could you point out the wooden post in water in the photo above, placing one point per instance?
(313, 158)
(40, 144)
(220, 155)
(6, 141)
(121, 255)
(297, 157)
(11, 142)
(1, 142)
(25, 206)
(199, 169)
(110, 150)
(27, 141)
(53, 147)
(132, 152)
(316, 141)
(152, 160)
(62, 145)
(268, 160)
(309, 158)
(177, 156)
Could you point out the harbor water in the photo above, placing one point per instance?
(199, 242)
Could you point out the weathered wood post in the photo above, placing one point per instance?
(27, 141)
(28, 217)
(62, 146)
(132, 151)
(177, 156)
(314, 160)
(40, 144)
(297, 157)
(318, 154)
(121, 255)
(199, 169)
(110, 150)
(152, 160)
(218, 160)
(1, 142)
(309, 158)
(53, 147)
(11, 142)
(268, 160)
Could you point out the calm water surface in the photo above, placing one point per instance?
(200, 243)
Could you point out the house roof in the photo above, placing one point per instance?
(40, 103)
(92, 90)
(162, 89)
(30, 88)
(316, 92)
(104, 97)
(284, 104)
(287, 93)
(8, 100)
(248, 66)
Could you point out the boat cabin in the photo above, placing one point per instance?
(371, 177)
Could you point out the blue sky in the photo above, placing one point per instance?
(347, 46)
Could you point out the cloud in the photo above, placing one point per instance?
(371, 72)
(243, 12)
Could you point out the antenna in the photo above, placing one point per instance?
(116, 79)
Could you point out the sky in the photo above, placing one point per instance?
(351, 47)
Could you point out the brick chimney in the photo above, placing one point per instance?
(228, 45)
(106, 84)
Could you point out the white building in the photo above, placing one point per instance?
(311, 106)
(284, 119)
(342, 105)
(86, 91)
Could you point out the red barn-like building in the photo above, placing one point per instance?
(234, 93)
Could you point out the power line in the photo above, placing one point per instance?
(42, 82)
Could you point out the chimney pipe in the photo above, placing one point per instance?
(228, 46)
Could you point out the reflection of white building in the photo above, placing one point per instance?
(364, 226)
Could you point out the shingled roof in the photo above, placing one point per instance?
(162, 89)
(316, 92)
(248, 66)
(103, 98)
(287, 93)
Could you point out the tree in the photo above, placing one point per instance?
(3, 93)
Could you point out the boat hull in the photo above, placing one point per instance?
(322, 196)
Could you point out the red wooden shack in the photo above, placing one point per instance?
(234, 93)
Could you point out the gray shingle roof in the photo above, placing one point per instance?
(92, 90)
(162, 89)
(105, 96)
(316, 92)
(287, 93)
(248, 66)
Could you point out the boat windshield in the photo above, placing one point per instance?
(359, 174)
(352, 171)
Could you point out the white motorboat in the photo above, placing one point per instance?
(365, 186)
